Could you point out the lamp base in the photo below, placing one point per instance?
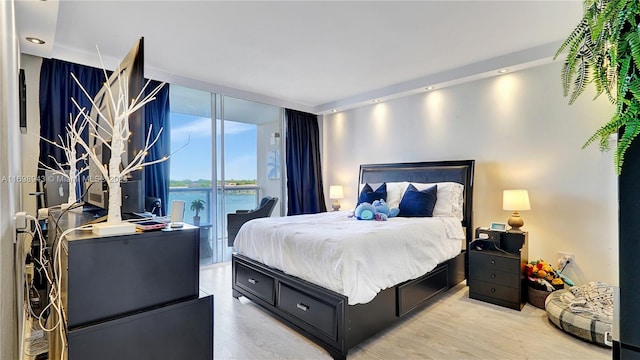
(515, 221)
(335, 205)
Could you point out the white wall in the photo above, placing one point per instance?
(522, 134)
(9, 170)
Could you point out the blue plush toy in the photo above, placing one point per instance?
(379, 210)
(383, 209)
(365, 211)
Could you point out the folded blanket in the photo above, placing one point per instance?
(594, 297)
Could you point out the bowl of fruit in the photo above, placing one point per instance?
(542, 279)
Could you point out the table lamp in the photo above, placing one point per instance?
(515, 200)
(336, 192)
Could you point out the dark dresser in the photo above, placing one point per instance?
(130, 296)
(498, 276)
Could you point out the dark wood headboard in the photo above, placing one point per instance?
(460, 171)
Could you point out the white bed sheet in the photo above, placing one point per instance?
(352, 257)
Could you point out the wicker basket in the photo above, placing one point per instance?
(537, 297)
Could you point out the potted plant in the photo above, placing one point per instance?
(197, 206)
(604, 49)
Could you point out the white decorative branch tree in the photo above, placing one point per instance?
(76, 165)
(111, 127)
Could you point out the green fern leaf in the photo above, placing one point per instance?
(574, 57)
(630, 132)
(633, 39)
(576, 36)
(583, 77)
(609, 128)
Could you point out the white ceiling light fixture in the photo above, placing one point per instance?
(503, 71)
(429, 88)
(35, 40)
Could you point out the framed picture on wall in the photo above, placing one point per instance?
(273, 164)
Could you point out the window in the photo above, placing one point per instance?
(244, 150)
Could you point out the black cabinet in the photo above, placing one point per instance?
(177, 331)
(116, 275)
(498, 276)
(628, 312)
(132, 296)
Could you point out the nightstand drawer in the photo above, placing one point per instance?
(496, 291)
(510, 279)
(255, 282)
(492, 262)
(317, 313)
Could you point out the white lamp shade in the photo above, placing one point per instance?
(336, 192)
(515, 200)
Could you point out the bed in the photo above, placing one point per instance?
(333, 312)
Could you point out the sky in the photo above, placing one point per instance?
(191, 148)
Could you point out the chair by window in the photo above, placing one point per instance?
(235, 220)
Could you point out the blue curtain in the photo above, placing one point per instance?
(56, 90)
(156, 176)
(304, 174)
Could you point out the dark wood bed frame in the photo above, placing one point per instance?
(324, 316)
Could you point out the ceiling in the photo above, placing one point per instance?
(312, 56)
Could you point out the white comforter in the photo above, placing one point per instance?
(352, 257)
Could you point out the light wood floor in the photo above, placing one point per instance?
(455, 327)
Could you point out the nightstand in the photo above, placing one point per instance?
(499, 277)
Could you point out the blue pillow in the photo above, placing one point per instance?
(368, 195)
(416, 203)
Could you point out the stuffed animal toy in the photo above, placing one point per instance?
(365, 211)
(383, 209)
(379, 210)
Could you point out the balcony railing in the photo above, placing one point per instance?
(236, 197)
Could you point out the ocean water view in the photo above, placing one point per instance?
(235, 199)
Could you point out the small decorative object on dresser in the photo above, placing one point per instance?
(498, 226)
(496, 275)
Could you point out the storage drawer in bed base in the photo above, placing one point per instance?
(317, 313)
(254, 281)
(313, 311)
(335, 325)
(413, 293)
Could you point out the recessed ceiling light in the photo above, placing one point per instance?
(375, 101)
(334, 110)
(35, 40)
(429, 88)
(502, 71)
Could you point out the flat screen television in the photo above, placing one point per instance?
(133, 189)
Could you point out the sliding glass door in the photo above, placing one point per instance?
(222, 163)
(191, 164)
(245, 140)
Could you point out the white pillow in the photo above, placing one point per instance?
(450, 198)
(395, 191)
